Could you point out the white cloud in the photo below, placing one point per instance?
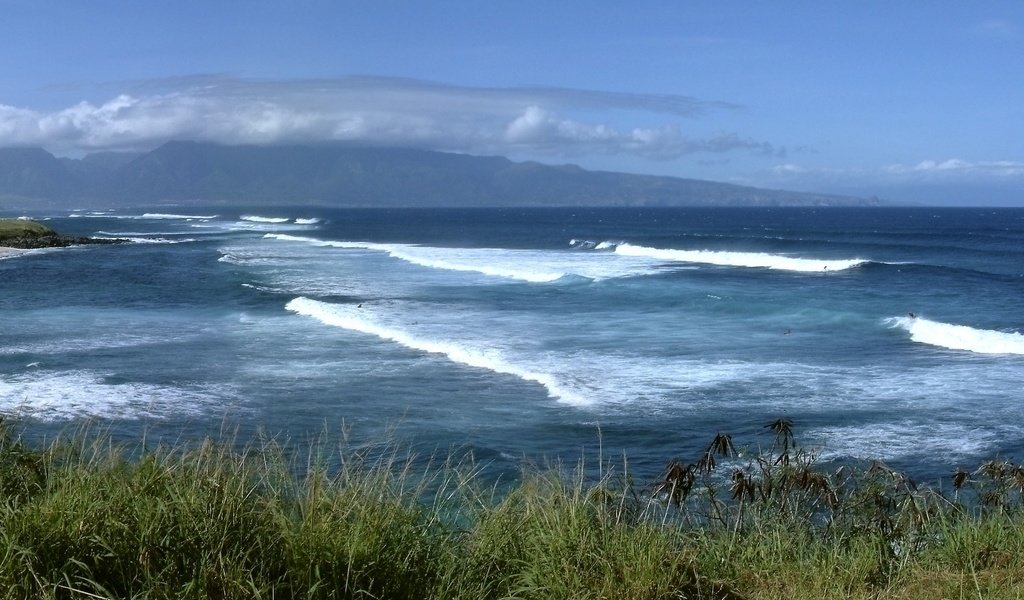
(371, 110)
(788, 169)
(540, 130)
(955, 167)
(949, 172)
(17, 124)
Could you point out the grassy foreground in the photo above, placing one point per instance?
(82, 518)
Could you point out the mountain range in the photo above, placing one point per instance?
(186, 172)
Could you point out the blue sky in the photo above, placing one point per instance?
(910, 101)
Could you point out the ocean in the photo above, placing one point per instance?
(530, 334)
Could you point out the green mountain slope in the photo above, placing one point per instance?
(351, 176)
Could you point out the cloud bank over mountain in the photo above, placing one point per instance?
(375, 111)
(652, 133)
(344, 175)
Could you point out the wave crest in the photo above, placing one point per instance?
(736, 259)
(171, 216)
(356, 319)
(258, 219)
(471, 261)
(960, 337)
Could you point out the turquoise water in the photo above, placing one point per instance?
(532, 333)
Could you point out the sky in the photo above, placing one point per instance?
(909, 101)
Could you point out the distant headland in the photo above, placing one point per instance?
(26, 235)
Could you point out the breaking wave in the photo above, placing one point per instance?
(278, 220)
(172, 216)
(145, 240)
(531, 266)
(130, 234)
(735, 259)
(356, 319)
(960, 337)
(474, 261)
(93, 215)
(258, 219)
(11, 253)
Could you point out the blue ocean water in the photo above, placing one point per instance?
(532, 333)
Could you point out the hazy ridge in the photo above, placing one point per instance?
(341, 176)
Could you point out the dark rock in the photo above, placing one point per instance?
(56, 241)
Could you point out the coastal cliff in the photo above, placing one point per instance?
(24, 234)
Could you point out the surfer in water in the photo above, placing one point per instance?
(912, 315)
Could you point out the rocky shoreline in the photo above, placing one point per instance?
(55, 241)
(23, 234)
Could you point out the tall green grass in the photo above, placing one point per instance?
(84, 518)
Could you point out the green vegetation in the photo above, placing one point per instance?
(18, 233)
(351, 176)
(18, 228)
(83, 518)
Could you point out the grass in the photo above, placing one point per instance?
(84, 518)
(17, 228)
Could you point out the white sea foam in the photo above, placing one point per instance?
(152, 233)
(264, 224)
(361, 320)
(960, 337)
(146, 240)
(227, 257)
(258, 219)
(533, 266)
(472, 260)
(738, 259)
(247, 254)
(903, 439)
(172, 216)
(6, 253)
(85, 342)
(258, 288)
(324, 243)
(312, 221)
(93, 215)
(68, 395)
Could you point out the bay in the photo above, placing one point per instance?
(531, 333)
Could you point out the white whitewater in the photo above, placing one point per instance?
(531, 266)
(357, 319)
(61, 396)
(146, 240)
(960, 337)
(736, 259)
(170, 216)
(258, 219)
